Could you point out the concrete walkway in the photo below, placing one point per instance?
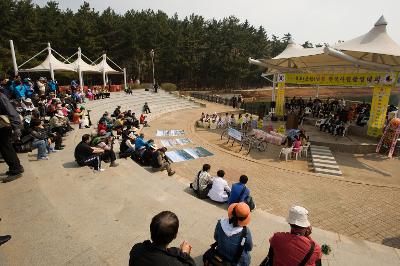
(62, 215)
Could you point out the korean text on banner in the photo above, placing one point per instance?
(344, 79)
(379, 105)
(280, 99)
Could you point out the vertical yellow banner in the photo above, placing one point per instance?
(380, 100)
(280, 99)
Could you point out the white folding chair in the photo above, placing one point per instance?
(286, 152)
(305, 148)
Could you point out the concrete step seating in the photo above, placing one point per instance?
(159, 103)
(323, 161)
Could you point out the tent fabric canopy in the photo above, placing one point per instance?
(83, 66)
(103, 66)
(375, 47)
(299, 59)
(51, 62)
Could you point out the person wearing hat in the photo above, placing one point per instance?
(233, 244)
(27, 105)
(295, 247)
(127, 146)
(163, 230)
(148, 153)
(41, 86)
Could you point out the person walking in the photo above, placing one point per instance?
(10, 126)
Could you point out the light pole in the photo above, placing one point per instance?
(152, 62)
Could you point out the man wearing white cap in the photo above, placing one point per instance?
(296, 247)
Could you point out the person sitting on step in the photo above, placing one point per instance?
(233, 237)
(146, 108)
(160, 162)
(163, 230)
(241, 193)
(220, 189)
(295, 247)
(202, 182)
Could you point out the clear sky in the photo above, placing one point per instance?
(317, 21)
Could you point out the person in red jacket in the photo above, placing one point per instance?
(143, 121)
(295, 247)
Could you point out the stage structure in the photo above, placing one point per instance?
(80, 66)
(370, 60)
(52, 64)
(106, 69)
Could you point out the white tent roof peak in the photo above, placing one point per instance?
(381, 21)
(376, 41)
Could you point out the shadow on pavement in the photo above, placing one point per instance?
(223, 206)
(70, 165)
(392, 242)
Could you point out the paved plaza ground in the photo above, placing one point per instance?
(363, 204)
(59, 214)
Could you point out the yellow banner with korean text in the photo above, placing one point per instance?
(345, 79)
(280, 99)
(380, 100)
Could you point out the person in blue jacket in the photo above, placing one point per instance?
(19, 90)
(228, 235)
(239, 191)
(52, 84)
(28, 87)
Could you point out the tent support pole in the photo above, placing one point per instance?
(14, 59)
(104, 72)
(125, 79)
(79, 68)
(51, 67)
(317, 93)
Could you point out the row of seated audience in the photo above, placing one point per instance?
(99, 147)
(233, 242)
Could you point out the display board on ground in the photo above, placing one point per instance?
(187, 154)
(170, 133)
(175, 142)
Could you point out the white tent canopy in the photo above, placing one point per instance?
(103, 66)
(50, 64)
(80, 65)
(295, 58)
(372, 51)
(374, 46)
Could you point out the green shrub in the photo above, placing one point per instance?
(168, 86)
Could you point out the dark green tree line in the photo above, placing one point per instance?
(190, 52)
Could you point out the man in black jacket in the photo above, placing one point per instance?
(8, 112)
(163, 228)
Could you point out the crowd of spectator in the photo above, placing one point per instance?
(124, 126)
(233, 242)
(40, 116)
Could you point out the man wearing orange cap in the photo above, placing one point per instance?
(296, 247)
(233, 238)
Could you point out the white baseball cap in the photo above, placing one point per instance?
(298, 216)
